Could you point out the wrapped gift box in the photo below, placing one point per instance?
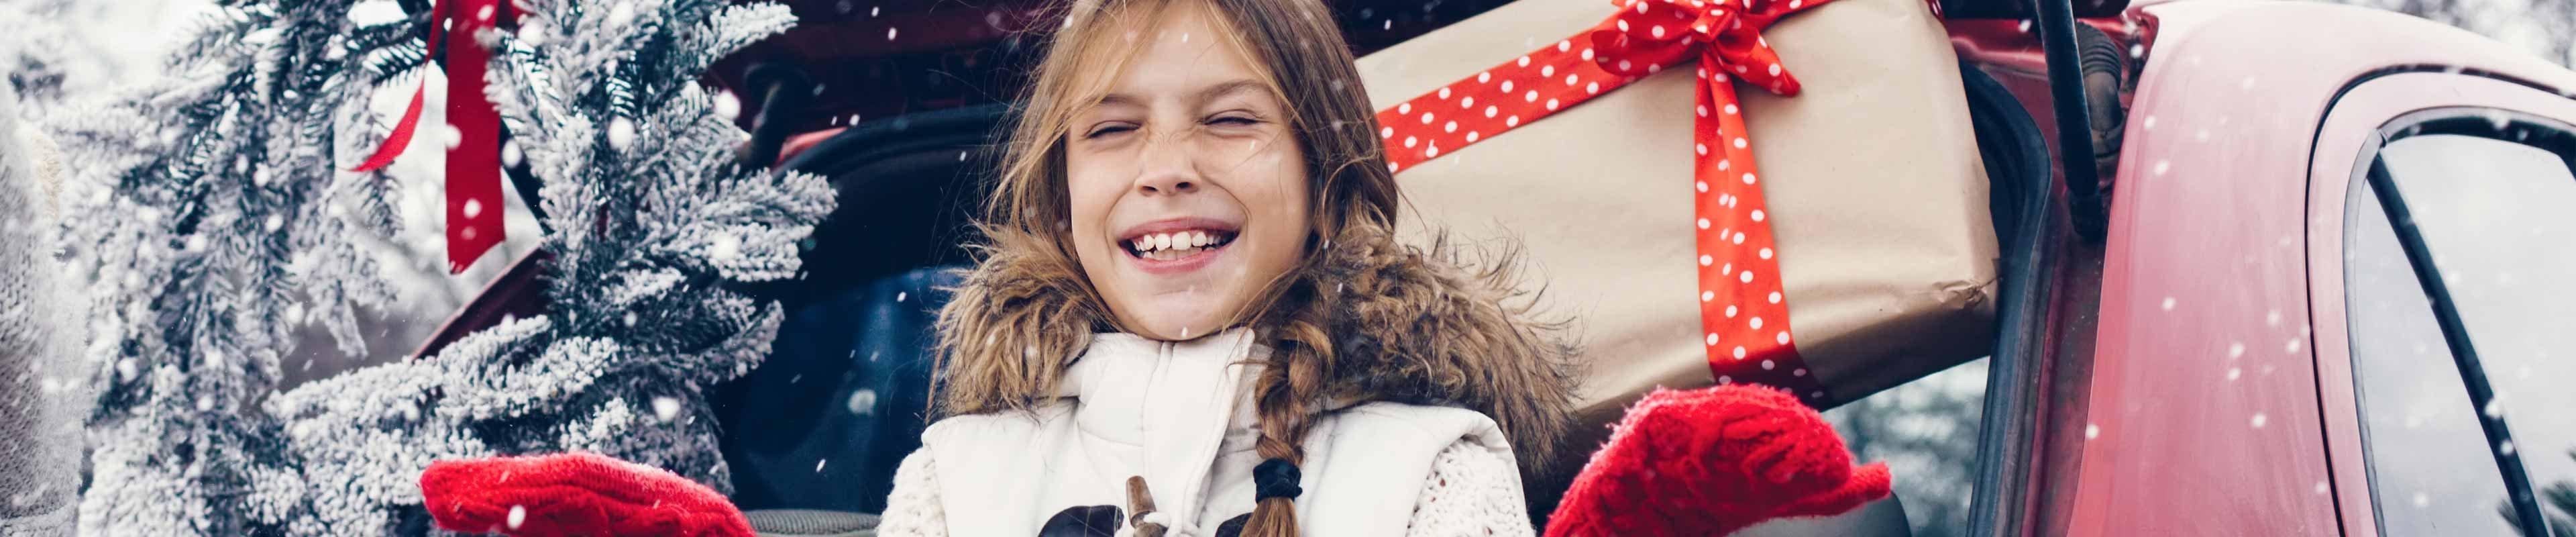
(1876, 194)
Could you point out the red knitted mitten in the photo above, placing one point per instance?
(574, 494)
(1712, 461)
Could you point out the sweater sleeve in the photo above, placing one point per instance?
(40, 457)
(1472, 491)
(914, 509)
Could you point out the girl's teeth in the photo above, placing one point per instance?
(1156, 246)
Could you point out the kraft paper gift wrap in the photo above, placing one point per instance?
(1877, 195)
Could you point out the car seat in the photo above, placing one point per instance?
(842, 398)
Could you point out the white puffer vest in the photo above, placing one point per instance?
(1181, 416)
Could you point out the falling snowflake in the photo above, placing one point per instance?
(621, 15)
(727, 106)
(725, 248)
(621, 133)
(531, 32)
(863, 402)
(666, 408)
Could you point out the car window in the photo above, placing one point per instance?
(2499, 219)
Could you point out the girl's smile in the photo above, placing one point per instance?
(1177, 245)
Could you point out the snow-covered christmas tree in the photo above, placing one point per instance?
(651, 225)
(210, 216)
(215, 218)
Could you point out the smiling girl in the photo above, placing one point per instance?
(1192, 316)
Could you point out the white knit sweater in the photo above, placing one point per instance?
(1472, 491)
(1179, 415)
(40, 404)
(1469, 491)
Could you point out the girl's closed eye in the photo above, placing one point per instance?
(1235, 120)
(1108, 129)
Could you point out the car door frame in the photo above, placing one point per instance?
(2347, 142)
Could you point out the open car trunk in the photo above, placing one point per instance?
(906, 98)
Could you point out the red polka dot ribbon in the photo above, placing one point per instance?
(1744, 316)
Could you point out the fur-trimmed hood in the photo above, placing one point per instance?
(1406, 324)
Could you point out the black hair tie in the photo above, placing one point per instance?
(1275, 478)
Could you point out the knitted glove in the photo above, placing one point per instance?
(574, 494)
(1713, 461)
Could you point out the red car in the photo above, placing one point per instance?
(2271, 268)
(2334, 276)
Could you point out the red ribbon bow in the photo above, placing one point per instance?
(474, 164)
(1727, 36)
(1743, 312)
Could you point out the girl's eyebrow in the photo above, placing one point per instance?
(1201, 96)
(1229, 87)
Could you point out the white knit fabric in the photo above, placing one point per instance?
(1472, 491)
(913, 509)
(41, 396)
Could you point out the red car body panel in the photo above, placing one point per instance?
(2215, 243)
(2204, 248)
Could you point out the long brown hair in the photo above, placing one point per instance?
(1360, 319)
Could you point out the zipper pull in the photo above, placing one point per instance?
(1146, 521)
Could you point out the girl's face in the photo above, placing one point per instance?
(1188, 189)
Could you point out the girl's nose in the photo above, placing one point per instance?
(1167, 169)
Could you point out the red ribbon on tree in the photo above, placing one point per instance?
(474, 164)
(1743, 312)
